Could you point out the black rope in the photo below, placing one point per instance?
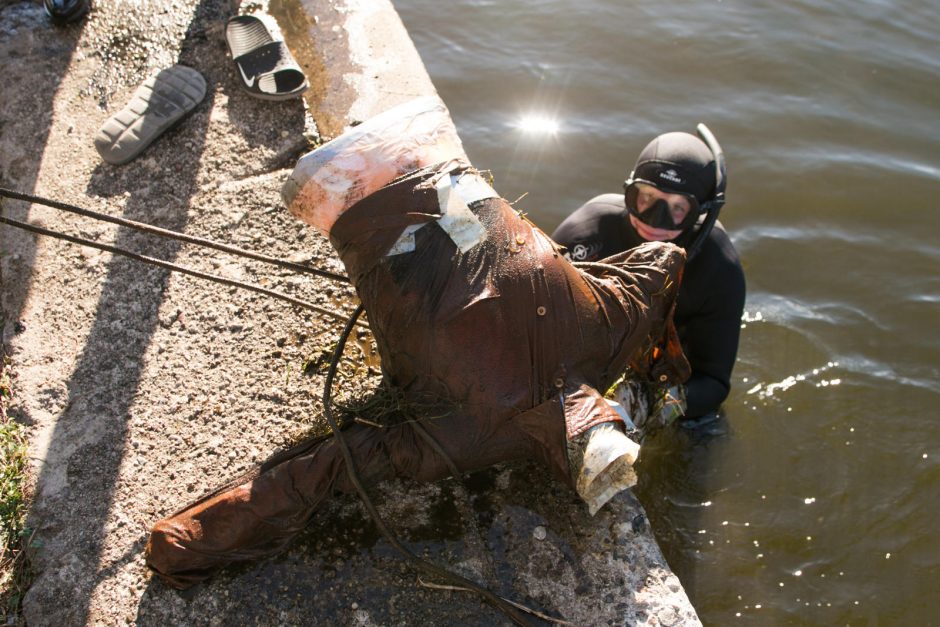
(174, 267)
(432, 569)
(190, 239)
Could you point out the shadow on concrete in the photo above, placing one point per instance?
(89, 439)
(35, 55)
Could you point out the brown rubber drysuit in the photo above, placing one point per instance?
(509, 338)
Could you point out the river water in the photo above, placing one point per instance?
(816, 500)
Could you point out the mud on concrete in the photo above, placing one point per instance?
(143, 389)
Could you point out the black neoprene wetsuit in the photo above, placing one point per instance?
(711, 297)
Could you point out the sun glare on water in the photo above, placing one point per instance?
(537, 124)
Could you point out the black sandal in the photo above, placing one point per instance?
(265, 66)
(65, 11)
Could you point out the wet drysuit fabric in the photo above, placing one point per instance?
(506, 346)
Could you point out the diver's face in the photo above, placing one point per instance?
(647, 196)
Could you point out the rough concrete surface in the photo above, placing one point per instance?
(144, 389)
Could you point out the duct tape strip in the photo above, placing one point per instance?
(456, 218)
(472, 187)
(406, 241)
(455, 192)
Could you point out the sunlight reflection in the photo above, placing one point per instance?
(766, 391)
(538, 124)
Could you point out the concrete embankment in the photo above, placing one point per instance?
(144, 389)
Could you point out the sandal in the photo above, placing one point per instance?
(65, 11)
(265, 65)
(161, 102)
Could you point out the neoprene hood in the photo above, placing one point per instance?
(678, 163)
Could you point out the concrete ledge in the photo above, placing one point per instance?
(144, 389)
(358, 56)
(373, 66)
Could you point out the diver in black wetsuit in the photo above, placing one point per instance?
(674, 194)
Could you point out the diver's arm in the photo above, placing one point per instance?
(711, 343)
(704, 394)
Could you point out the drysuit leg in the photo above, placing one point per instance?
(258, 518)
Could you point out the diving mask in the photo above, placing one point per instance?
(648, 207)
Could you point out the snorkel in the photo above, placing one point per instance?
(711, 208)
